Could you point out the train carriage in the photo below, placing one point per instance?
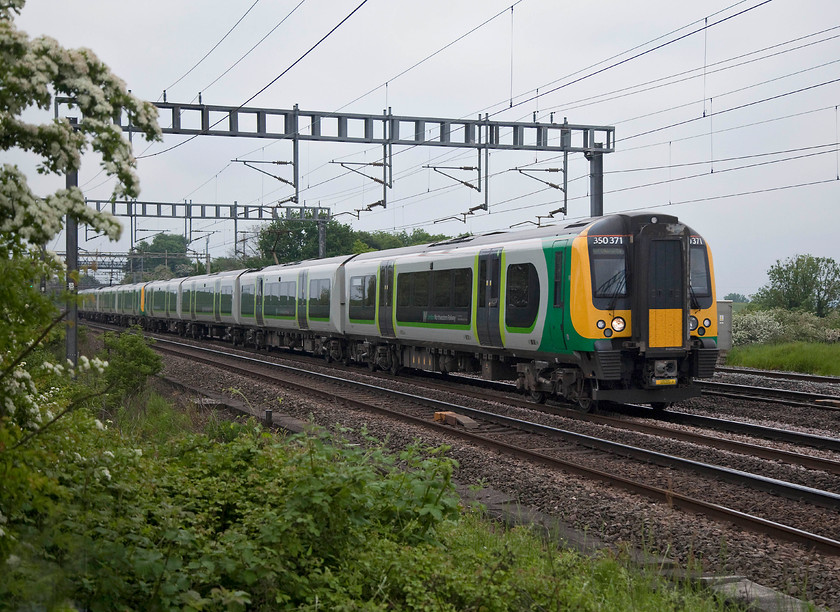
(615, 308)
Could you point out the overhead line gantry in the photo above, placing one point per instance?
(389, 130)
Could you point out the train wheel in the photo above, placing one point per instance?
(587, 404)
(537, 397)
(660, 406)
(396, 366)
(584, 396)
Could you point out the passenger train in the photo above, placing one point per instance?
(616, 308)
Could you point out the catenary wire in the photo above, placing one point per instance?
(206, 55)
(270, 83)
(618, 55)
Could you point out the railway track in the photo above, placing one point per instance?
(555, 447)
(670, 416)
(778, 375)
(768, 394)
(493, 391)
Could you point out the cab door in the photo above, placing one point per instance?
(662, 261)
(556, 319)
(489, 302)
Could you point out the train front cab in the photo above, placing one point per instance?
(653, 307)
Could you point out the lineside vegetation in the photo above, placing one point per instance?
(793, 322)
(134, 504)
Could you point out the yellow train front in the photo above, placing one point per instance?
(641, 317)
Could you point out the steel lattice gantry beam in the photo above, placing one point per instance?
(389, 130)
(189, 211)
(296, 124)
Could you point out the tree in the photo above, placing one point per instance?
(159, 260)
(288, 240)
(803, 282)
(737, 297)
(32, 72)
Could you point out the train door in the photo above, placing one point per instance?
(386, 299)
(555, 321)
(192, 300)
(217, 301)
(489, 304)
(662, 262)
(303, 283)
(258, 301)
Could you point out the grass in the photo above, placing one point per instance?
(809, 358)
(563, 579)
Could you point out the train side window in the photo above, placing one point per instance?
(442, 289)
(158, 301)
(279, 299)
(700, 278)
(420, 298)
(363, 297)
(462, 284)
(559, 269)
(523, 295)
(404, 290)
(246, 304)
(441, 297)
(357, 290)
(319, 299)
(699, 271)
(226, 300)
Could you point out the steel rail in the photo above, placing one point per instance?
(751, 522)
(737, 446)
(825, 499)
(775, 374)
(769, 394)
(770, 433)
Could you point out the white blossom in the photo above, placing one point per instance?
(32, 73)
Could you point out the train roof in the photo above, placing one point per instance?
(559, 230)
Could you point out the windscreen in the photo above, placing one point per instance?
(700, 278)
(608, 262)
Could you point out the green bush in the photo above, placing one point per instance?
(753, 326)
(131, 361)
(204, 523)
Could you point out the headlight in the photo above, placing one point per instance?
(707, 323)
(692, 323)
(618, 324)
(600, 324)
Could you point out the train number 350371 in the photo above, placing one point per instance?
(608, 240)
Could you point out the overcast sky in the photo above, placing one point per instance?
(732, 128)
